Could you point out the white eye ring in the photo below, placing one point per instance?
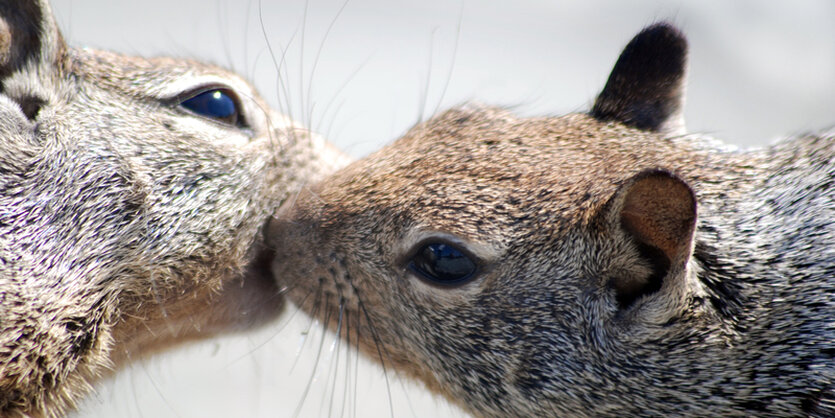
(443, 264)
(482, 254)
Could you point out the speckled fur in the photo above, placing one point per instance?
(127, 224)
(743, 322)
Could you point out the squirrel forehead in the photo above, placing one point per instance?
(465, 166)
(139, 75)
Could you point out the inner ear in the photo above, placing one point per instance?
(646, 279)
(646, 87)
(657, 211)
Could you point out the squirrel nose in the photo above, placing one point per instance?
(287, 235)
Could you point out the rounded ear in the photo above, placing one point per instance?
(659, 210)
(646, 87)
(656, 210)
(28, 34)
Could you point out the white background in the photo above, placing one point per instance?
(759, 70)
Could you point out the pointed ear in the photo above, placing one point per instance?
(646, 88)
(657, 211)
(28, 34)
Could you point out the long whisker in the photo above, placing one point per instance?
(281, 86)
(223, 27)
(287, 319)
(246, 44)
(301, 60)
(338, 346)
(316, 62)
(452, 62)
(347, 362)
(325, 321)
(425, 96)
(380, 349)
(312, 316)
(338, 92)
(357, 362)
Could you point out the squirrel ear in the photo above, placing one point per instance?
(28, 32)
(657, 210)
(646, 87)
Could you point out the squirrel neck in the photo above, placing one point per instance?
(752, 211)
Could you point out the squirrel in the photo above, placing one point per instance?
(603, 263)
(133, 196)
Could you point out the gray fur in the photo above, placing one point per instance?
(729, 305)
(122, 215)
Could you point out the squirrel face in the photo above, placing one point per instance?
(133, 193)
(501, 258)
(480, 251)
(535, 267)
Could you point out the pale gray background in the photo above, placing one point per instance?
(759, 70)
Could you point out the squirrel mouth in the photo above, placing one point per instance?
(246, 301)
(258, 295)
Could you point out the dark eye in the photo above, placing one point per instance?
(219, 104)
(442, 264)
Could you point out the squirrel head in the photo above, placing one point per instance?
(133, 195)
(506, 262)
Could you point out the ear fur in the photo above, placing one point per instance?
(28, 33)
(646, 87)
(656, 211)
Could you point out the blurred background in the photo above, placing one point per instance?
(362, 72)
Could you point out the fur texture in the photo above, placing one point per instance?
(123, 215)
(621, 269)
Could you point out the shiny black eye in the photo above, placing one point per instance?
(442, 264)
(219, 104)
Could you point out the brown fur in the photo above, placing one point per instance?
(621, 268)
(123, 216)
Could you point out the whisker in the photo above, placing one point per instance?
(347, 361)
(316, 61)
(378, 347)
(452, 62)
(160, 301)
(294, 197)
(338, 92)
(246, 44)
(316, 360)
(315, 195)
(285, 321)
(279, 66)
(157, 389)
(301, 59)
(408, 398)
(223, 27)
(357, 362)
(312, 319)
(424, 97)
(275, 144)
(357, 358)
(338, 345)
